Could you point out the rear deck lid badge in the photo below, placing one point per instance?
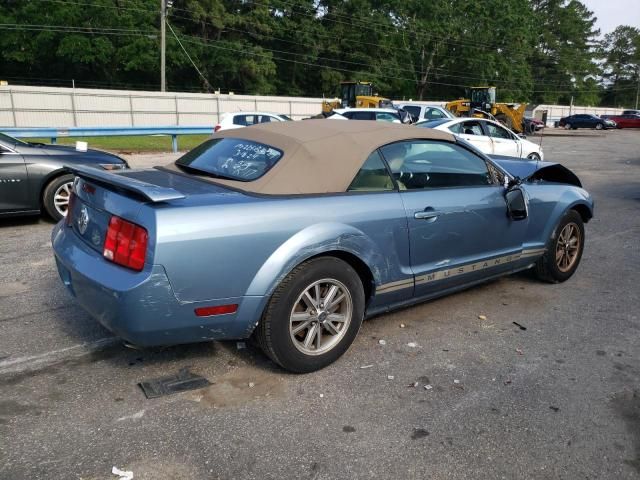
(83, 220)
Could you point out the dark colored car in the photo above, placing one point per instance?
(531, 125)
(585, 120)
(33, 176)
(626, 120)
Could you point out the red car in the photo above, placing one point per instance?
(626, 121)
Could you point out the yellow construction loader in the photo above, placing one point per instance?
(355, 95)
(482, 103)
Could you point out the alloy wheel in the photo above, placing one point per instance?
(61, 198)
(320, 316)
(568, 247)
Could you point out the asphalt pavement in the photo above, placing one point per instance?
(555, 395)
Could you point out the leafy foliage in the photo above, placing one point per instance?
(534, 50)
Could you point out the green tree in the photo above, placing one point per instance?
(620, 51)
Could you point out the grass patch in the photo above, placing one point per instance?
(133, 144)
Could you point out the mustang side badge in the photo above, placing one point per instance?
(83, 220)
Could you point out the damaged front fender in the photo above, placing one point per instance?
(532, 170)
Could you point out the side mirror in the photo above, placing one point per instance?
(516, 204)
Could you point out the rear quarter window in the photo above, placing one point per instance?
(231, 158)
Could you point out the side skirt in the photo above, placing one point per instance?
(414, 301)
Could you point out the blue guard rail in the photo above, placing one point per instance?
(55, 133)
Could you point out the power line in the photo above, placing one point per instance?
(206, 82)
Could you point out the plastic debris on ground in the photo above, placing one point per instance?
(402, 325)
(519, 352)
(390, 377)
(184, 380)
(241, 345)
(482, 317)
(521, 327)
(412, 385)
(124, 475)
(382, 342)
(251, 384)
(428, 387)
(412, 344)
(366, 366)
(456, 381)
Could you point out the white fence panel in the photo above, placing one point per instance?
(22, 106)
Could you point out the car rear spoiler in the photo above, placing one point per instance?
(151, 192)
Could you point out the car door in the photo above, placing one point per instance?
(504, 142)
(459, 231)
(14, 187)
(472, 131)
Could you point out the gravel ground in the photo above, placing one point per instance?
(560, 399)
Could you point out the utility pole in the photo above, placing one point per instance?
(637, 89)
(163, 45)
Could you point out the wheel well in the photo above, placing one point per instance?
(359, 266)
(52, 176)
(584, 212)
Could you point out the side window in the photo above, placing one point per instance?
(265, 119)
(386, 117)
(471, 127)
(433, 113)
(240, 120)
(361, 116)
(413, 110)
(456, 128)
(373, 176)
(432, 164)
(496, 131)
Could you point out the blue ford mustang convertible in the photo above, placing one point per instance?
(294, 232)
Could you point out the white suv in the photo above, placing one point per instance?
(246, 119)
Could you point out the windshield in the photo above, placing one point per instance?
(10, 140)
(231, 158)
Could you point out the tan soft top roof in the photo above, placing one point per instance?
(320, 156)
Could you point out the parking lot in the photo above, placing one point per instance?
(545, 385)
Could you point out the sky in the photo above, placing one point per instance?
(612, 13)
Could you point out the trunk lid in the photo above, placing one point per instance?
(100, 194)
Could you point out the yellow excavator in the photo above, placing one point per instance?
(355, 95)
(482, 103)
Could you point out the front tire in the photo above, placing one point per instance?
(567, 126)
(599, 126)
(55, 198)
(313, 316)
(564, 250)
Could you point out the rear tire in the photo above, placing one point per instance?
(564, 250)
(298, 330)
(55, 198)
(533, 156)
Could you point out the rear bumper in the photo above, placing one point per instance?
(141, 307)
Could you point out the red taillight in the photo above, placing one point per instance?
(217, 310)
(125, 243)
(217, 127)
(72, 201)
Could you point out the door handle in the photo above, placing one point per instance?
(430, 215)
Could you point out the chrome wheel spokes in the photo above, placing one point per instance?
(61, 198)
(320, 316)
(568, 247)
